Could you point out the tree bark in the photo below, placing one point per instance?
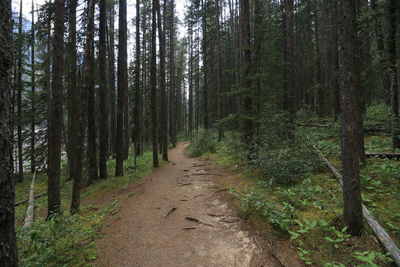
(122, 87)
(19, 99)
(111, 69)
(164, 101)
(33, 93)
(75, 112)
(219, 71)
(78, 115)
(91, 97)
(246, 79)
(190, 99)
(71, 61)
(153, 82)
(56, 111)
(138, 96)
(172, 85)
(352, 210)
(8, 243)
(392, 69)
(206, 118)
(103, 92)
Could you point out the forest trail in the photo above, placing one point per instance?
(177, 217)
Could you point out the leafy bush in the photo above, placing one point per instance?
(203, 142)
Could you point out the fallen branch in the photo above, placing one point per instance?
(383, 155)
(198, 221)
(189, 228)
(166, 215)
(312, 124)
(232, 220)
(379, 231)
(377, 130)
(183, 184)
(219, 190)
(38, 195)
(199, 165)
(30, 211)
(366, 130)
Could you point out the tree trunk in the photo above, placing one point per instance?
(71, 60)
(153, 81)
(71, 82)
(91, 98)
(33, 93)
(56, 111)
(246, 60)
(111, 69)
(138, 96)
(19, 100)
(164, 101)
(8, 243)
(122, 87)
(350, 115)
(74, 112)
(206, 118)
(219, 72)
(103, 92)
(126, 125)
(172, 85)
(394, 90)
(78, 115)
(190, 99)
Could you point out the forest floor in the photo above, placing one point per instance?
(183, 215)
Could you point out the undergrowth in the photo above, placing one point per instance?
(69, 240)
(283, 182)
(204, 141)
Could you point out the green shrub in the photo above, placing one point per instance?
(204, 141)
(286, 165)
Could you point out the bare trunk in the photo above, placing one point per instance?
(153, 81)
(8, 243)
(56, 111)
(103, 92)
(138, 96)
(350, 115)
(122, 87)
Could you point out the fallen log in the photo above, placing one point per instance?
(312, 124)
(379, 231)
(30, 211)
(383, 155)
(37, 196)
(366, 130)
(377, 130)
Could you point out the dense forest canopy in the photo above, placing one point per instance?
(86, 86)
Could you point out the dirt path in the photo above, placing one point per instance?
(178, 218)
